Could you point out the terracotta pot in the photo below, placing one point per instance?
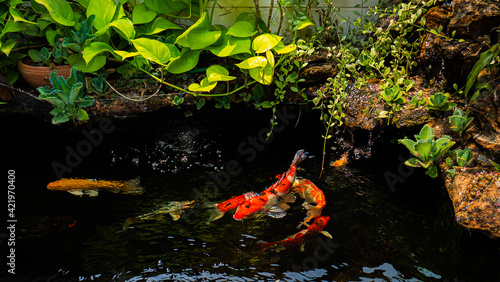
(38, 76)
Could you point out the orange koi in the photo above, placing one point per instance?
(342, 161)
(272, 196)
(235, 201)
(298, 238)
(314, 199)
(90, 187)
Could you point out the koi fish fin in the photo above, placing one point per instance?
(249, 195)
(276, 212)
(91, 193)
(299, 157)
(75, 192)
(278, 176)
(289, 198)
(214, 213)
(175, 217)
(302, 247)
(327, 234)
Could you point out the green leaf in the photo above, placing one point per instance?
(424, 151)
(104, 11)
(280, 48)
(218, 73)
(304, 23)
(166, 7)
(253, 62)
(432, 171)
(94, 49)
(125, 28)
(82, 115)
(141, 14)
(60, 118)
(413, 162)
(198, 36)
(17, 16)
(60, 11)
(160, 24)
(242, 29)
(187, 61)
(93, 65)
(230, 46)
(484, 59)
(426, 133)
(205, 85)
(265, 42)
(263, 75)
(152, 50)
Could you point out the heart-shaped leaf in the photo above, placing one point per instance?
(218, 73)
(60, 11)
(94, 49)
(242, 29)
(141, 14)
(253, 62)
(187, 60)
(230, 46)
(152, 50)
(205, 85)
(199, 35)
(104, 11)
(265, 42)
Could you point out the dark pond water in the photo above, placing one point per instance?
(402, 231)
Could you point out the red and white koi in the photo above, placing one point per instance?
(298, 239)
(314, 199)
(272, 196)
(235, 201)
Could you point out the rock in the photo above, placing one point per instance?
(475, 194)
(430, 48)
(472, 18)
(362, 105)
(320, 66)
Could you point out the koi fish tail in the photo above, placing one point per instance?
(134, 187)
(263, 245)
(299, 157)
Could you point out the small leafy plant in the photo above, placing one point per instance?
(49, 58)
(426, 150)
(67, 96)
(439, 103)
(463, 157)
(459, 121)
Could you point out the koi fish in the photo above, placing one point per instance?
(298, 239)
(235, 201)
(272, 196)
(90, 187)
(174, 209)
(342, 161)
(314, 199)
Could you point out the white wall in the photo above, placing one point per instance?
(226, 11)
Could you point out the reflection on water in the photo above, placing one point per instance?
(378, 235)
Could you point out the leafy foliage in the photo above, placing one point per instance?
(459, 121)
(67, 96)
(439, 103)
(426, 150)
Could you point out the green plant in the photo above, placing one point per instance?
(459, 121)
(485, 60)
(463, 157)
(439, 103)
(50, 58)
(99, 84)
(67, 96)
(426, 150)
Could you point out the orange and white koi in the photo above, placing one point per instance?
(90, 187)
(272, 196)
(298, 238)
(314, 199)
(342, 161)
(235, 201)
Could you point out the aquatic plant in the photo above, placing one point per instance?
(459, 121)
(485, 59)
(426, 150)
(67, 96)
(439, 103)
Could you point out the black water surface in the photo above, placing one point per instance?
(402, 231)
